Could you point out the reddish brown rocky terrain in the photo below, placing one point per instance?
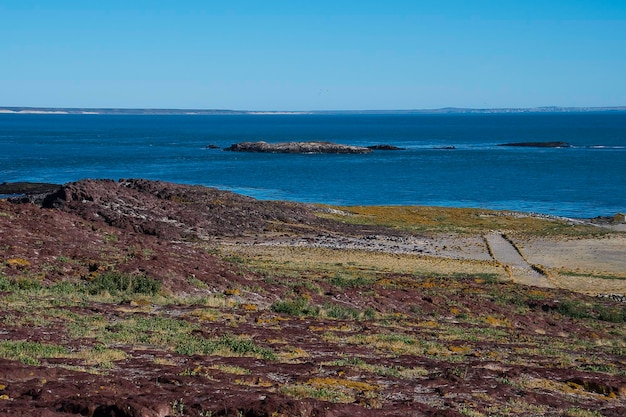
(141, 298)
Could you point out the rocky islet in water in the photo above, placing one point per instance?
(306, 147)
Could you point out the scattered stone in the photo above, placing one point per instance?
(620, 298)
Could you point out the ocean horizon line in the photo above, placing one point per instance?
(183, 111)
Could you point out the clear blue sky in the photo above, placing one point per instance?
(312, 55)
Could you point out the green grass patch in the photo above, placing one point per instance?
(29, 352)
(342, 281)
(165, 333)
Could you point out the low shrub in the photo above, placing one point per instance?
(579, 310)
(486, 278)
(340, 312)
(573, 309)
(5, 283)
(119, 283)
(297, 307)
(612, 314)
(341, 281)
(226, 345)
(66, 287)
(15, 284)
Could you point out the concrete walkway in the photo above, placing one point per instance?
(510, 257)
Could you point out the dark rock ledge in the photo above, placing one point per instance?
(297, 147)
(34, 192)
(385, 148)
(538, 144)
(27, 187)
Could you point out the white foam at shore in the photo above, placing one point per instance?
(33, 111)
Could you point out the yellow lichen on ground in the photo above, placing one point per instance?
(18, 263)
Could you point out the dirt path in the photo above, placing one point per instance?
(504, 252)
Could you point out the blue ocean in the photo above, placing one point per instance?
(587, 179)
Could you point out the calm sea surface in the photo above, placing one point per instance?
(586, 180)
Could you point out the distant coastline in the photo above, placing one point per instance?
(445, 110)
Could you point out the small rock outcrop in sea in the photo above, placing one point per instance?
(27, 187)
(538, 144)
(385, 148)
(33, 192)
(297, 147)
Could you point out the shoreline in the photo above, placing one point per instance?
(19, 189)
(534, 249)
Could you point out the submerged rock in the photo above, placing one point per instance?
(538, 144)
(385, 148)
(297, 147)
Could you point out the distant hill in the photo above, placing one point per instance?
(445, 110)
(67, 110)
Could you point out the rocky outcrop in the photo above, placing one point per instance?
(298, 147)
(184, 212)
(27, 188)
(173, 211)
(538, 144)
(33, 192)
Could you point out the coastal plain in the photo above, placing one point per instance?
(146, 298)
